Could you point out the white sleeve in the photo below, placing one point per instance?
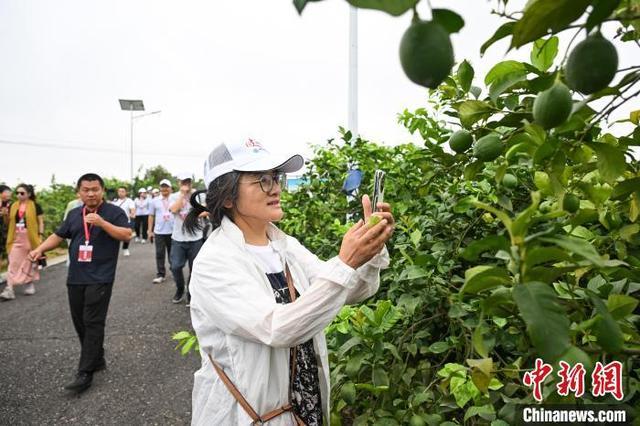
(232, 299)
(368, 275)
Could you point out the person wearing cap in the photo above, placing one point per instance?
(154, 193)
(161, 228)
(185, 245)
(260, 300)
(142, 216)
(129, 208)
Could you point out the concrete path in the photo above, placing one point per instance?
(147, 382)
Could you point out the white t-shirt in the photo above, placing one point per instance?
(142, 206)
(267, 256)
(178, 220)
(126, 204)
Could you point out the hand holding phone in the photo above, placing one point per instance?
(378, 190)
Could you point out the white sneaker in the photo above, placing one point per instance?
(143, 241)
(126, 252)
(8, 293)
(158, 280)
(136, 240)
(30, 289)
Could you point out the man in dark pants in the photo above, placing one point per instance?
(184, 246)
(161, 228)
(95, 230)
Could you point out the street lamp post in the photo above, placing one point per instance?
(133, 105)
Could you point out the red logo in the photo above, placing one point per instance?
(252, 143)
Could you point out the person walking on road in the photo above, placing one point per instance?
(25, 232)
(184, 245)
(260, 301)
(5, 203)
(129, 208)
(95, 230)
(142, 216)
(161, 228)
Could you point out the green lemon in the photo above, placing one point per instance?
(553, 106)
(373, 220)
(426, 53)
(509, 181)
(460, 141)
(571, 203)
(488, 148)
(592, 64)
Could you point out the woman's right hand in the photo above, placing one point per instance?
(361, 243)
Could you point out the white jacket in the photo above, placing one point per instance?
(239, 323)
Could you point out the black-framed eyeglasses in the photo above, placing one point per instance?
(267, 181)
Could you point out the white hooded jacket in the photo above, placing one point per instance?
(239, 323)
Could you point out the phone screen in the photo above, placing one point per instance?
(378, 189)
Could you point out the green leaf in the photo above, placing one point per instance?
(392, 7)
(487, 412)
(611, 161)
(540, 16)
(188, 345)
(472, 111)
(544, 52)
(602, 9)
(628, 231)
(181, 335)
(625, 188)
(380, 377)
(438, 347)
(634, 117)
(484, 277)
(300, 4)
(547, 322)
(477, 339)
(577, 246)
(491, 242)
(621, 305)
(503, 76)
(502, 32)
(606, 329)
(502, 69)
(539, 255)
(416, 236)
(465, 75)
(447, 19)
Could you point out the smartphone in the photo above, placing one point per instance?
(378, 190)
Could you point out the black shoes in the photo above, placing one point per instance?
(81, 383)
(102, 365)
(178, 297)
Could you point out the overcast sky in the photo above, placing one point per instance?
(218, 71)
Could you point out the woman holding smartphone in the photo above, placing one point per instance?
(260, 300)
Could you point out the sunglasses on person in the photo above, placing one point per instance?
(21, 193)
(267, 181)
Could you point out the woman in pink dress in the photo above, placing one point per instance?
(25, 232)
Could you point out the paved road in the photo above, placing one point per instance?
(146, 381)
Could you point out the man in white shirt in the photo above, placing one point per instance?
(161, 228)
(142, 215)
(129, 208)
(184, 246)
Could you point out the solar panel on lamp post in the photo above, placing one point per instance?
(131, 105)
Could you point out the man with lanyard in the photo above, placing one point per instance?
(184, 246)
(129, 208)
(95, 230)
(160, 232)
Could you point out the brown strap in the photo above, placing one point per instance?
(235, 392)
(257, 419)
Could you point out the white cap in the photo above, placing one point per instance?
(246, 156)
(141, 190)
(154, 190)
(165, 182)
(184, 176)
